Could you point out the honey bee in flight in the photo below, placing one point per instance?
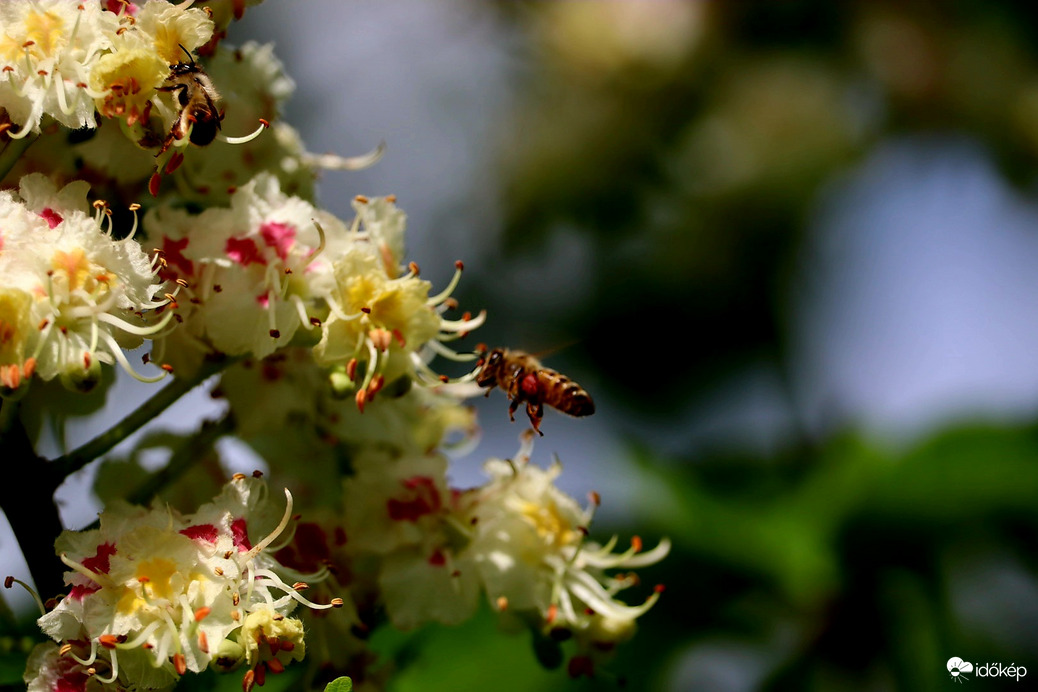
(524, 379)
(199, 117)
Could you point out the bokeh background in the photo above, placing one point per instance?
(790, 247)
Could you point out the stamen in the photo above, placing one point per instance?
(449, 354)
(258, 548)
(443, 295)
(101, 579)
(247, 138)
(11, 580)
(117, 352)
(89, 659)
(59, 88)
(333, 162)
(323, 241)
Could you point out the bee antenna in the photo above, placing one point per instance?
(187, 52)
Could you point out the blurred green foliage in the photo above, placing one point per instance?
(685, 147)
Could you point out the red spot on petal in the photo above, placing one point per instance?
(309, 551)
(100, 561)
(52, 217)
(240, 533)
(202, 532)
(243, 251)
(173, 253)
(437, 559)
(422, 498)
(79, 592)
(279, 236)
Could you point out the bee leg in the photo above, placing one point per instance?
(535, 412)
(179, 90)
(513, 404)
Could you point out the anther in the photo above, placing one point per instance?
(167, 367)
(361, 198)
(174, 162)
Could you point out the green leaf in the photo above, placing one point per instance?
(342, 684)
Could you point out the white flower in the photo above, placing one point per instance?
(272, 268)
(184, 591)
(47, 51)
(529, 540)
(92, 295)
(383, 324)
(253, 271)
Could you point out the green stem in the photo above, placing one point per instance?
(148, 411)
(183, 458)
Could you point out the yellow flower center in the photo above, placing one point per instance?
(129, 80)
(46, 31)
(78, 273)
(14, 316)
(551, 526)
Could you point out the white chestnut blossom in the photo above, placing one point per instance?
(71, 296)
(48, 49)
(184, 591)
(533, 553)
(272, 270)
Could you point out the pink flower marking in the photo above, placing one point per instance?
(240, 533)
(173, 252)
(243, 251)
(425, 500)
(279, 236)
(52, 217)
(202, 532)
